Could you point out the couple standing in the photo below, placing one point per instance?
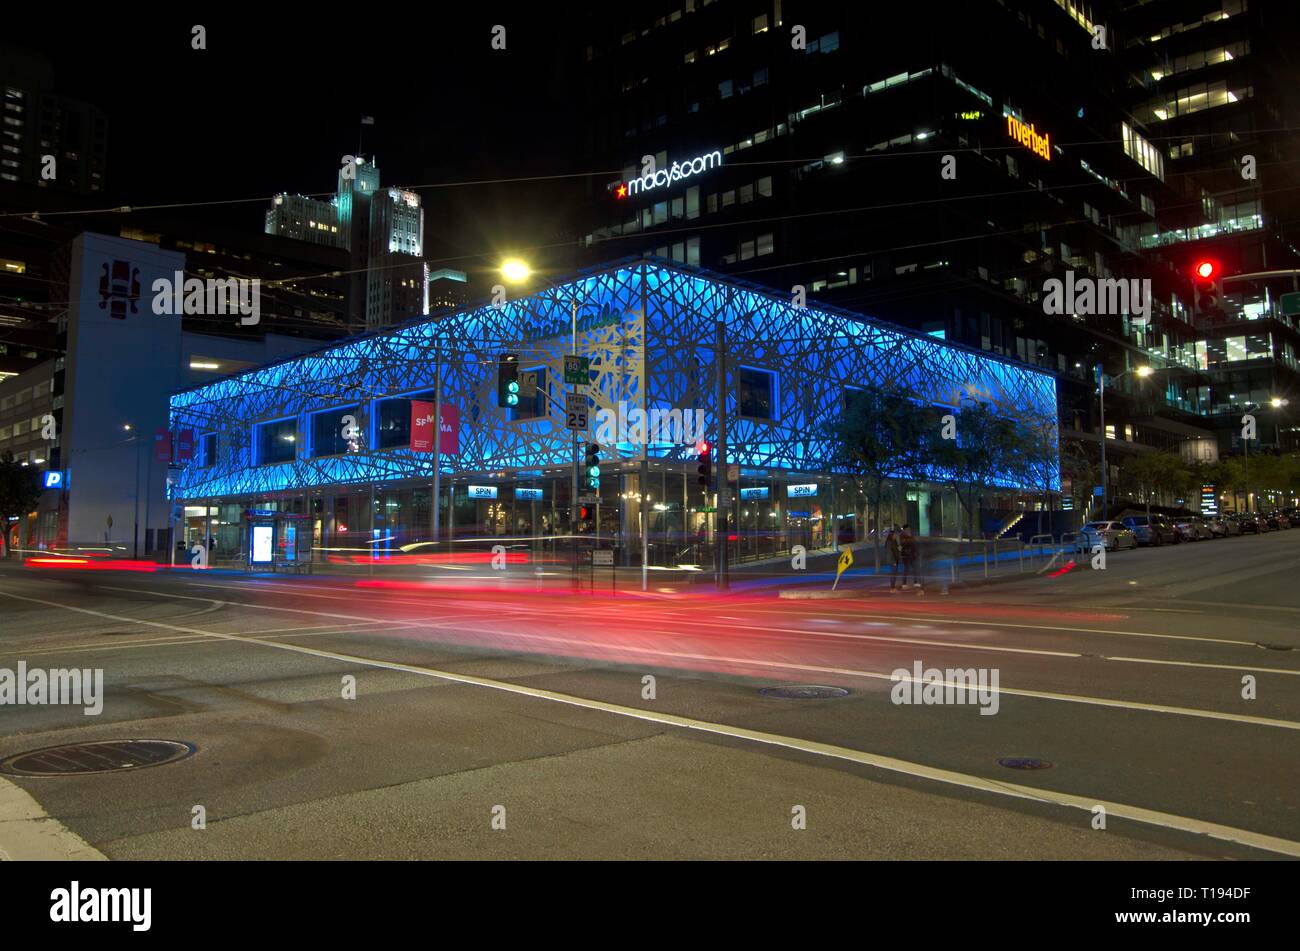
(902, 548)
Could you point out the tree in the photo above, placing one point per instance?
(20, 490)
(1164, 473)
(985, 447)
(880, 437)
(1038, 462)
(1081, 466)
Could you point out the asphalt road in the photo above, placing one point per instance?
(490, 704)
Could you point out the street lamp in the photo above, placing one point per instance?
(1144, 371)
(515, 271)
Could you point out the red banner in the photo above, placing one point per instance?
(422, 428)
(162, 445)
(449, 441)
(185, 445)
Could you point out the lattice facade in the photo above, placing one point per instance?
(648, 328)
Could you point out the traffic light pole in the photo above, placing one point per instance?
(573, 508)
(723, 507)
(1101, 392)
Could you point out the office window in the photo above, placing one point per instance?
(712, 203)
(760, 23)
(746, 250)
(746, 194)
(755, 398)
(765, 244)
(765, 186)
(277, 442)
(693, 202)
(661, 212)
(693, 252)
(725, 89)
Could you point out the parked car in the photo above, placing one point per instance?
(1247, 523)
(1218, 528)
(1112, 535)
(1231, 525)
(1277, 521)
(1150, 530)
(1192, 528)
(1167, 524)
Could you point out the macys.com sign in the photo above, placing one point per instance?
(667, 176)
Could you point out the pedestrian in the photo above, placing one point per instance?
(893, 554)
(911, 557)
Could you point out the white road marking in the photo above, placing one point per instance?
(28, 833)
(1088, 803)
(1030, 627)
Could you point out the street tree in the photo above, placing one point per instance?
(880, 438)
(20, 490)
(985, 447)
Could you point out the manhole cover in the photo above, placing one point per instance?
(1024, 762)
(803, 692)
(105, 756)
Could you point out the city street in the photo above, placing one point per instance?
(495, 722)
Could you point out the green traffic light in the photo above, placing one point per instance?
(512, 399)
(593, 472)
(513, 386)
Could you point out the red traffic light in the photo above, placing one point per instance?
(1205, 270)
(702, 448)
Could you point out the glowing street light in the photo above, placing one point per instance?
(515, 270)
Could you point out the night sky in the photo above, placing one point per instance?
(275, 101)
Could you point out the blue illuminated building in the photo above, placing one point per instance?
(328, 433)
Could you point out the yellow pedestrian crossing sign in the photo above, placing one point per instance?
(845, 562)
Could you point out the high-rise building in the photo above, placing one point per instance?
(448, 289)
(879, 159)
(47, 139)
(1214, 82)
(383, 231)
(305, 219)
(397, 277)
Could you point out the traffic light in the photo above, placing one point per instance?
(1207, 289)
(508, 379)
(593, 466)
(706, 465)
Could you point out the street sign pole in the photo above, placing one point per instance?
(723, 508)
(573, 507)
(437, 442)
